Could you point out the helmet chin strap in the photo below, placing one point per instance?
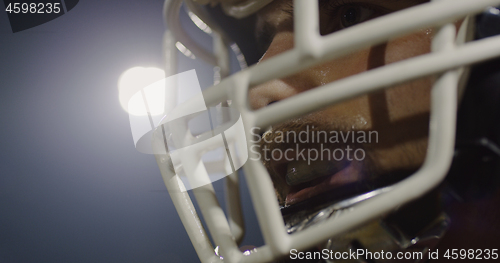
(415, 227)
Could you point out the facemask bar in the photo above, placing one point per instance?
(229, 233)
(445, 58)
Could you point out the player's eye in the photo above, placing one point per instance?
(339, 14)
(351, 15)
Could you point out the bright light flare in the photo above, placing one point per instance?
(136, 82)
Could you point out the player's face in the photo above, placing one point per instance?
(394, 122)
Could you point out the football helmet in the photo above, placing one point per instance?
(350, 219)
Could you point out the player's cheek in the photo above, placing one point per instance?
(409, 99)
(412, 98)
(412, 45)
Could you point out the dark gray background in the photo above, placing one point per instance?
(72, 186)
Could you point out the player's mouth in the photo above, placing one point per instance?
(308, 180)
(323, 183)
(296, 181)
